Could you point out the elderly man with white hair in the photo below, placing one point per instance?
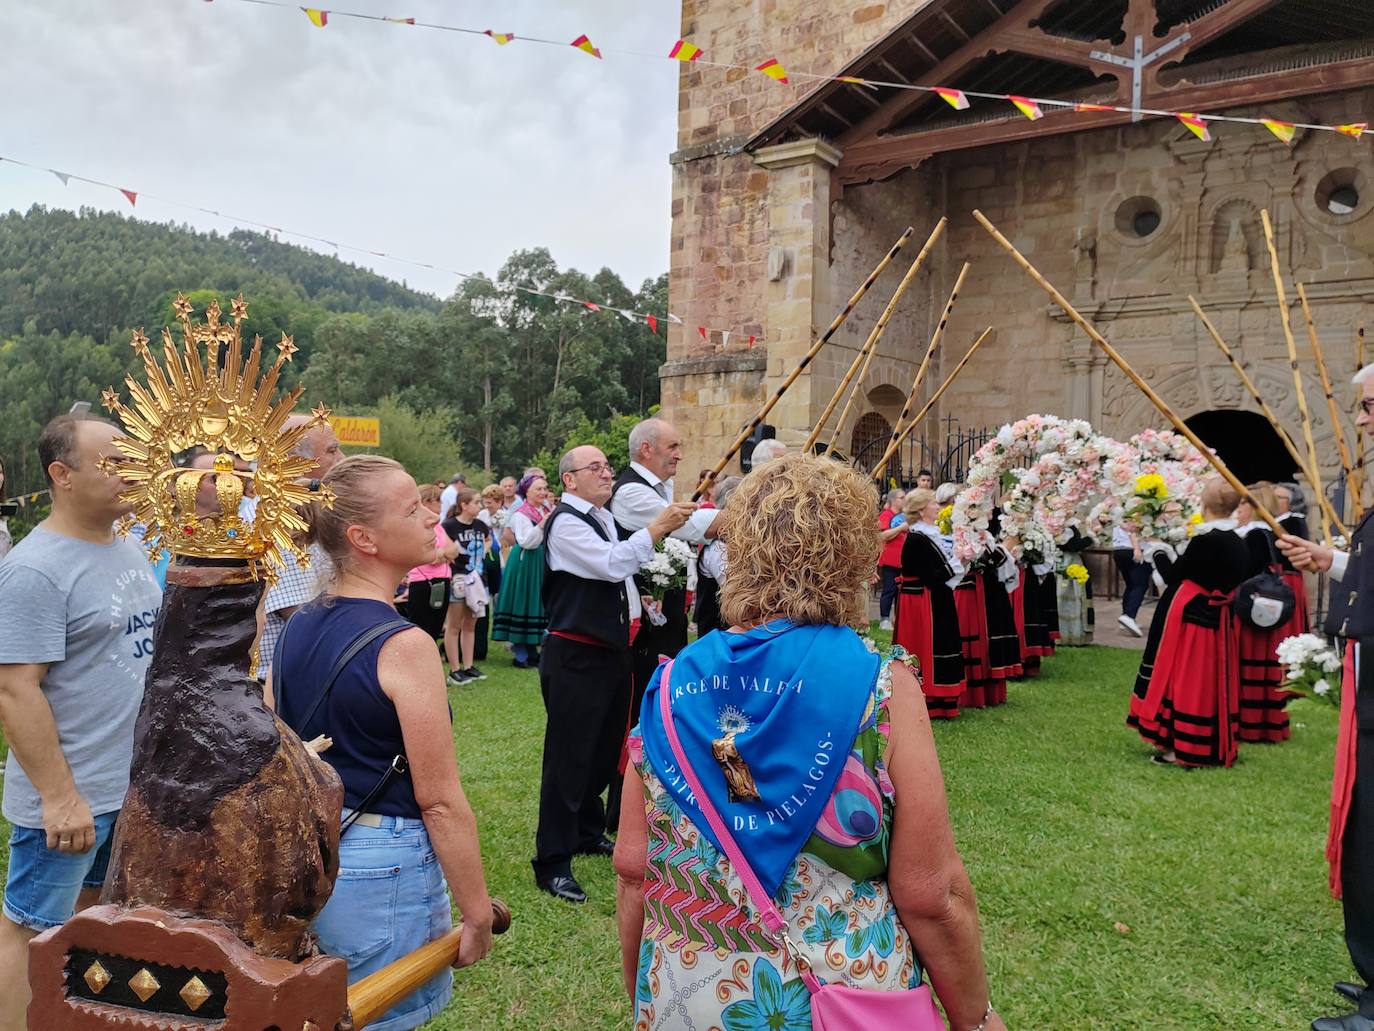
(765, 451)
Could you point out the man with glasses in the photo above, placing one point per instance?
(591, 604)
(1350, 841)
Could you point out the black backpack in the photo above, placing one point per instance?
(1265, 601)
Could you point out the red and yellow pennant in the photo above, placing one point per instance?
(953, 97)
(1196, 124)
(1354, 131)
(502, 38)
(318, 18)
(1283, 130)
(684, 51)
(585, 45)
(1093, 107)
(1027, 107)
(773, 70)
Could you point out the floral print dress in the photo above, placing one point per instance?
(705, 963)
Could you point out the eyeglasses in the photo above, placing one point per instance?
(1367, 403)
(595, 468)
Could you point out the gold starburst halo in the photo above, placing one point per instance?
(218, 402)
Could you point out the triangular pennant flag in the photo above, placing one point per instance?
(61, 175)
(725, 339)
(502, 38)
(855, 81)
(131, 195)
(773, 70)
(628, 316)
(751, 340)
(318, 18)
(653, 323)
(1195, 125)
(585, 45)
(1093, 107)
(684, 51)
(1283, 130)
(590, 306)
(702, 331)
(1354, 130)
(674, 319)
(401, 21)
(1027, 107)
(954, 97)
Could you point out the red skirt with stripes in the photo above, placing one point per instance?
(914, 630)
(1263, 717)
(980, 688)
(1030, 655)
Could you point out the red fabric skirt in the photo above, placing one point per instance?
(1193, 702)
(1298, 622)
(1343, 782)
(1263, 717)
(980, 689)
(914, 629)
(1030, 654)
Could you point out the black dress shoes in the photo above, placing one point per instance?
(1349, 1022)
(603, 847)
(1349, 990)
(563, 886)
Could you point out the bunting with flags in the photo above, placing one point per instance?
(1354, 131)
(684, 51)
(502, 38)
(653, 323)
(318, 18)
(1283, 130)
(954, 97)
(1196, 125)
(131, 196)
(1027, 107)
(585, 45)
(773, 70)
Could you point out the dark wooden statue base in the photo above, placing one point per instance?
(143, 969)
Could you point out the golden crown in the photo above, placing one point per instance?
(217, 403)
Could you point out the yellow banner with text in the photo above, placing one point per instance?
(357, 431)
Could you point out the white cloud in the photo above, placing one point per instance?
(437, 146)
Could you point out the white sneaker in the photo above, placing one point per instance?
(885, 625)
(1130, 624)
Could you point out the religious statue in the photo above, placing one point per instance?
(739, 780)
(227, 844)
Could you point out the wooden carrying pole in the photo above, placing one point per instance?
(1357, 479)
(871, 344)
(1131, 374)
(1269, 413)
(824, 339)
(934, 346)
(378, 992)
(1313, 469)
(878, 469)
(1333, 410)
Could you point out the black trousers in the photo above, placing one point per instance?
(1137, 577)
(888, 592)
(586, 693)
(419, 611)
(1357, 846)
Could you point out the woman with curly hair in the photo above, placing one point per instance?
(814, 758)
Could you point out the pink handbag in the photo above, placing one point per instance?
(834, 1007)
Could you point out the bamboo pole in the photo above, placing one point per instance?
(878, 469)
(871, 344)
(824, 339)
(378, 992)
(1269, 413)
(1357, 480)
(934, 345)
(1131, 374)
(1313, 469)
(1332, 408)
(849, 403)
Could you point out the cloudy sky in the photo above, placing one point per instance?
(438, 146)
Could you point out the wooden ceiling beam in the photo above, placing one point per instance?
(1218, 22)
(1054, 48)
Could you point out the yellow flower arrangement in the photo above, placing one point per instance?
(1151, 485)
(1194, 521)
(945, 520)
(1077, 573)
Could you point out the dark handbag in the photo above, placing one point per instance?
(399, 764)
(1265, 601)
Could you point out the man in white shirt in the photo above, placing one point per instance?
(591, 604)
(448, 497)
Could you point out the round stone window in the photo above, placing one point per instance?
(1338, 193)
(1138, 218)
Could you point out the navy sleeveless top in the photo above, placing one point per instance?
(357, 715)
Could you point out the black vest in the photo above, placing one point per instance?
(1354, 596)
(598, 609)
(670, 638)
(628, 475)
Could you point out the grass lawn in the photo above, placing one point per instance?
(1114, 893)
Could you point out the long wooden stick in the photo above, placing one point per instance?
(1357, 484)
(824, 339)
(935, 339)
(1313, 468)
(849, 403)
(1269, 413)
(878, 469)
(1131, 374)
(1331, 407)
(378, 992)
(871, 344)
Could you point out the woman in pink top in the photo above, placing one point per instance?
(427, 586)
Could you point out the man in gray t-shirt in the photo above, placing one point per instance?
(77, 608)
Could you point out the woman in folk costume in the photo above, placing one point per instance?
(1290, 509)
(1263, 717)
(785, 800)
(1030, 614)
(1187, 695)
(519, 616)
(927, 624)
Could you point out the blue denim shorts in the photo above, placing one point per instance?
(43, 884)
(389, 899)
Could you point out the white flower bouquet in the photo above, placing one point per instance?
(1312, 668)
(665, 571)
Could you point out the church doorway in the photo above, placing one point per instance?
(1247, 443)
(871, 434)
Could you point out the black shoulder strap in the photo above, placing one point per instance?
(348, 655)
